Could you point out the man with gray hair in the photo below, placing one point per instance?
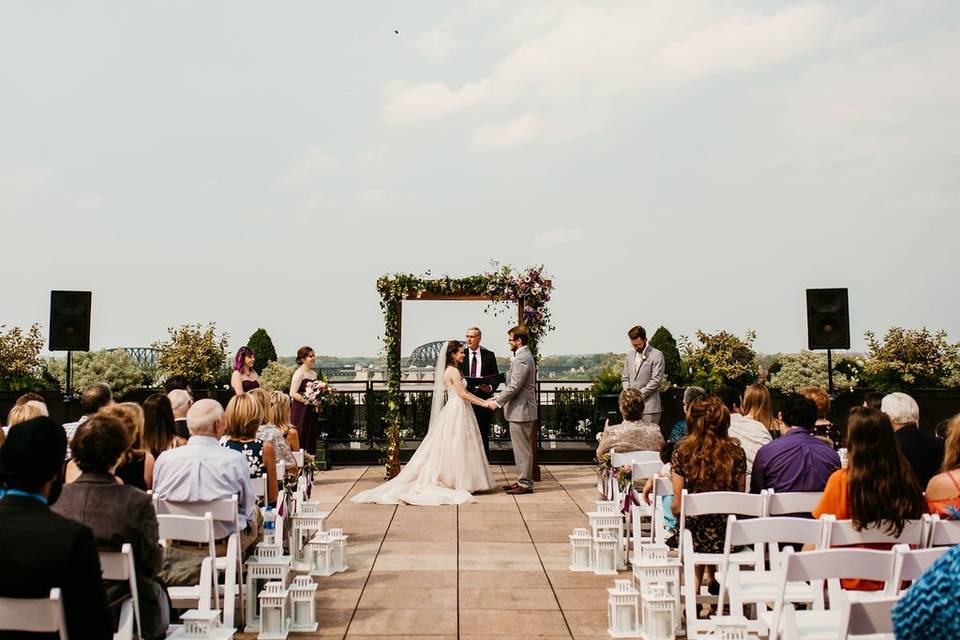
(924, 452)
(203, 471)
(180, 402)
(94, 397)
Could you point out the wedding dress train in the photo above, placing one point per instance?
(449, 464)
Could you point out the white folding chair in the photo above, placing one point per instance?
(644, 513)
(792, 502)
(830, 565)
(199, 530)
(943, 533)
(912, 563)
(37, 615)
(626, 458)
(841, 533)
(231, 563)
(759, 586)
(867, 615)
(259, 484)
(118, 565)
(700, 504)
(298, 456)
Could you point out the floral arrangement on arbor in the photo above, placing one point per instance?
(504, 286)
(21, 368)
(192, 352)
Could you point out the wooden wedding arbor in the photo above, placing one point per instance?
(529, 290)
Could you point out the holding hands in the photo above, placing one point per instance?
(491, 404)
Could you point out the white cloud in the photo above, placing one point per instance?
(436, 44)
(370, 158)
(558, 237)
(314, 164)
(494, 137)
(372, 195)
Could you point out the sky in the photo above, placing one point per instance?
(692, 164)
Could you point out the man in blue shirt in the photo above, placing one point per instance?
(796, 461)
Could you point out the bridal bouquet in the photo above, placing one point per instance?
(318, 393)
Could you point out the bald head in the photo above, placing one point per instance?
(180, 401)
(205, 418)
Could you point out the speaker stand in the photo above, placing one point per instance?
(830, 374)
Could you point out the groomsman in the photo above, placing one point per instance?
(643, 371)
(480, 362)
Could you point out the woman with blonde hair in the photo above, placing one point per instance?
(758, 405)
(280, 406)
(26, 411)
(242, 420)
(268, 432)
(943, 490)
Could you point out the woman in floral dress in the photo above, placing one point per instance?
(242, 419)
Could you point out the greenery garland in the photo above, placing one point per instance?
(505, 286)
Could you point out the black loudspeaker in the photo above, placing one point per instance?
(70, 320)
(828, 319)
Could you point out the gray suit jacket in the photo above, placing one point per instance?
(519, 397)
(646, 378)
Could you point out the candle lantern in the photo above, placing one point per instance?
(612, 523)
(623, 610)
(655, 565)
(307, 522)
(201, 624)
(273, 612)
(302, 603)
(268, 564)
(605, 554)
(730, 627)
(320, 552)
(339, 550)
(659, 615)
(581, 550)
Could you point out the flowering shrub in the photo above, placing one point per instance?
(720, 359)
(115, 368)
(192, 352)
(20, 365)
(808, 369)
(277, 377)
(910, 359)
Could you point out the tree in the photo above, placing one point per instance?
(263, 351)
(195, 353)
(720, 359)
(116, 368)
(910, 359)
(673, 367)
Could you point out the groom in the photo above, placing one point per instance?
(519, 403)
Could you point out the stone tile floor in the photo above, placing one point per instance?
(494, 568)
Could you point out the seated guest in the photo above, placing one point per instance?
(280, 412)
(180, 402)
(632, 434)
(758, 405)
(94, 397)
(117, 514)
(203, 471)
(924, 452)
(823, 429)
(796, 461)
(26, 411)
(930, 609)
(34, 397)
(708, 459)
(40, 550)
(242, 421)
(877, 489)
(159, 425)
(268, 433)
(679, 429)
(751, 434)
(943, 490)
(136, 465)
(872, 400)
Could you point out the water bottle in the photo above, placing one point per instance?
(269, 526)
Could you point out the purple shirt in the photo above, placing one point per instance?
(796, 461)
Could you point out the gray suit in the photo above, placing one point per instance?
(519, 403)
(646, 378)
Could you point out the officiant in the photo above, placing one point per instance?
(480, 362)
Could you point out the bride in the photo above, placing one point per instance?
(450, 462)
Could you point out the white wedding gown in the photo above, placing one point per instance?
(446, 468)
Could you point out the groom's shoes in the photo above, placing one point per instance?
(519, 490)
(508, 487)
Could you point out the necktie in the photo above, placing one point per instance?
(473, 365)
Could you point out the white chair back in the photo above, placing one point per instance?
(37, 615)
(298, 456)
(912, 563)
(842, 533)
(782, 504)
(643, 470)
(259, 484)
(943, 533)
(721, 502)
(118, 565)
(629, 457)
(866, 615)
(193, 529)
(281, 469)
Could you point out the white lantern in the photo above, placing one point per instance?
(612, 523)
(581, 550)
(608, 506)
(201, 623)
(623, 610)
(320, 554)
(268, 564)
(273, 612)
(339, 550)
(659, 614)
(605, 555)
(307, 522)
(729, 627)
(302, 604)
(655, 565)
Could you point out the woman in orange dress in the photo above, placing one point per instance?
(943, 490)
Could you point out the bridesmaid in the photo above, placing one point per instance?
(244, 378)
(303, 417)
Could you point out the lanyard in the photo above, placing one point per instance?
(25, 494)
